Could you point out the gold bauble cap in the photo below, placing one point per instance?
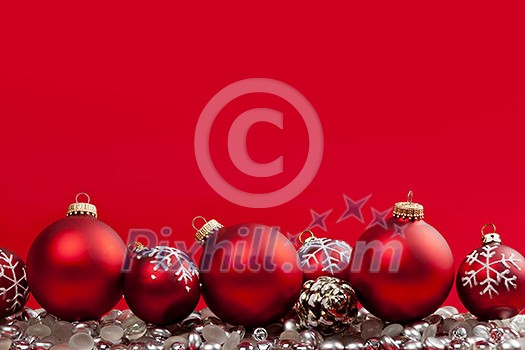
(82, 208)
(209, 228)
(408, 210)
(490, 237)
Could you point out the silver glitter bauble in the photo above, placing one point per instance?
(327, 304)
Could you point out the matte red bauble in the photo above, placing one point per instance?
(324, 257)
(14, 290)
(249, 273)
(491, 279)
(162, 286)
(74, 265)
(402, 268)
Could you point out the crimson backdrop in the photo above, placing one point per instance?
(104, 98)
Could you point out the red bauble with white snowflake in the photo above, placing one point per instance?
(162, 286)
(402, 268)
(491, 279)
(14, 290)
(249, 272)
(324, 257)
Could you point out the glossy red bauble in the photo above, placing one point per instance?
(324, 257)
(491, 282)
(14, 290)
(250, 274)
(402, 271)
(162, 286)
(74, 268)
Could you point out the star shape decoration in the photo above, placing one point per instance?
(319, 220)
(353, 208)
(379, 218)
(399, 230)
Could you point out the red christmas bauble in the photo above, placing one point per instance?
(249, 273)
(74, 266)
(162, 286)
(491, 280)
(402, 268)
(14, 290)
(324, 257)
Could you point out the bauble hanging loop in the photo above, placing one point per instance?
(491, 237)
(82, 208)
(206, 230)
(408, 210)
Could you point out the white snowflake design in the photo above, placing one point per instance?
(18, 284)
(336, 254)
(167, 258)
(491, 283)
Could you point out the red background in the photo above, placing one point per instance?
(104, 98)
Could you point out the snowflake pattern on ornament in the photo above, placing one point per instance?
(329, 248)
(18, 284)
(167, 258)
(492, 277)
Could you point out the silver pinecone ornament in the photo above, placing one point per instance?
(327, 304)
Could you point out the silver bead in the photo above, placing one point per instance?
(372, 344)
(496, 335)
(260, 334)
(430, 331)
(194, 341)
(458, 333)
(353, 343)
(285, 344)
(42, 345)
(371, 328)
(290, 335)
(246, 346)
(483, 345)
(413, 345)
(511, 344)
(291, 324)
(332, 344)
(240, 330)
(211, 346)
(268, 345)
(482, 331)
(433, 343)
(176, 346)
(10, 332)
(154, 345)
(81, 341)
(411, 333)
(419, 326)
(20, 344)
(311, 337)
(214, 334)
(103, 345)
(159, 333)
(388, 343)
(392, 330)
(459, 344)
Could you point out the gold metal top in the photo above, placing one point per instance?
(307, 239)
(490, 237)
(209, 228)
(82, 208)
(408, 210)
